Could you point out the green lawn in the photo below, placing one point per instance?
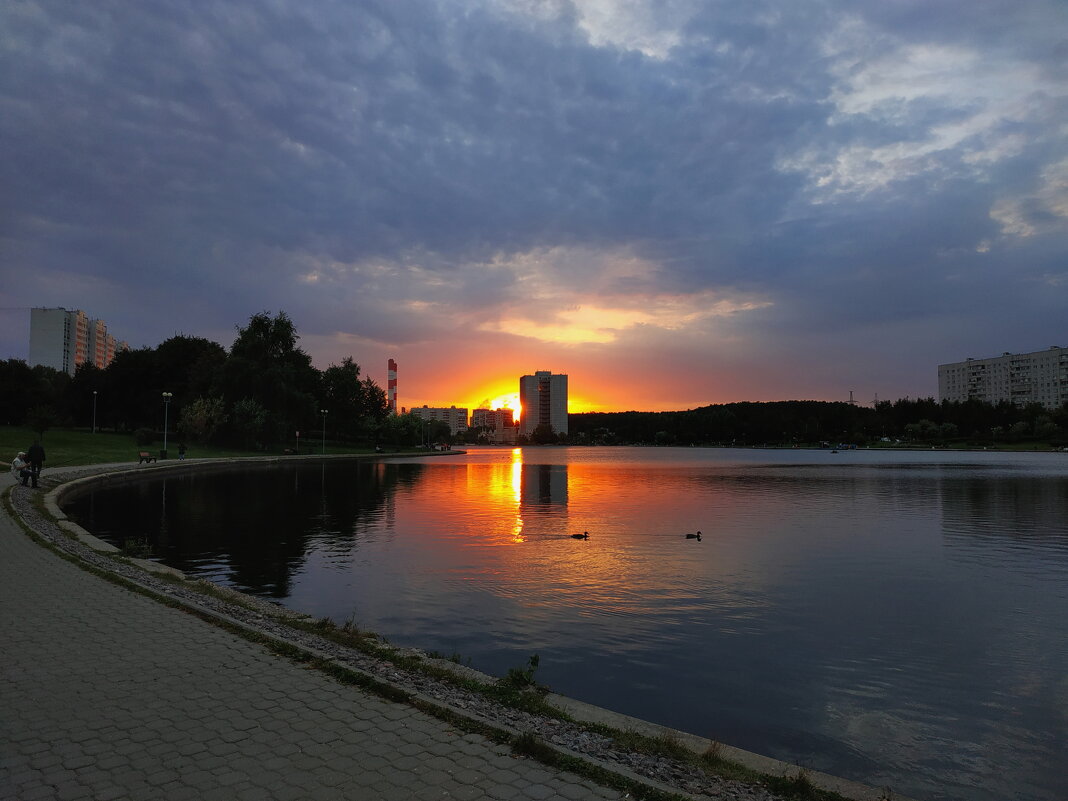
(65, 446)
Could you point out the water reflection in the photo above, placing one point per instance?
(251, 530)
(895, 619)
(1033, 509)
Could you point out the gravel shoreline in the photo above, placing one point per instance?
(269, 618)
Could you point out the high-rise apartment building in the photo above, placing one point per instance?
(544, 400)
(63, 339)
(1020, 378)
(455, 417)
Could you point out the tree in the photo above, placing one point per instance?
(201, 418)
(250, 421)
(49, 388)
(40, 419)
(400, 430)
(88, 379)
(132, 386)
(438, 431)
(543, 434)
(375, 405)
(17, 381)
(190, 367)
(265, 365)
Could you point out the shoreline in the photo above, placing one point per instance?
(272, 620)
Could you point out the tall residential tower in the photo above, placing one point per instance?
(544, 399)
(63, 339)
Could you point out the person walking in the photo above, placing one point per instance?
(36, 457)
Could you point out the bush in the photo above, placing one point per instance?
(144, 436)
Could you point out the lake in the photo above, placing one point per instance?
(897, 618)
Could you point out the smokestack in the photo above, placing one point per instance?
(391, 386)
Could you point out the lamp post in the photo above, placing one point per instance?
(324, 412)
(94, 411)
(166, 404)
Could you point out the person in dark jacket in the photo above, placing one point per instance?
(36, 457)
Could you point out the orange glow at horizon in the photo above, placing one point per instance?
(508, 402)
(499, 389)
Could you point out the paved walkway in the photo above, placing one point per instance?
(105, 694)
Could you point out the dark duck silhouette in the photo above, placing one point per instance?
(585, 535)
(696, 536)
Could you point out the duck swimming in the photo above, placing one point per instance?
(696, 536)
(585, 535)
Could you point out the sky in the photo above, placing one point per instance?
(675, 202)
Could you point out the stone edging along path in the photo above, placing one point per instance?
(644, 758)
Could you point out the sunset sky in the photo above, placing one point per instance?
(676, 202)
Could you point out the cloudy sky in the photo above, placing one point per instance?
(676, 202)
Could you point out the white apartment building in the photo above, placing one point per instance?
(544, 400)
(455, 417)
(1020, 378)
(63, 339)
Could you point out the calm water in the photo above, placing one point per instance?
(896, 618)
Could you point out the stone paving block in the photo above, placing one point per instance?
(126, 748)
(436, 777)
(177, 791)
(469, 792)
(536, 774)
(45, 761)
(109, 762)
(573, 792)
(35, 794)
(201, 779)
(439, 748)
(31, 747)
(288, 792)
(96, 747)
(503, 775)
(537, 792)
(92, 776)
(71, 791)
(218, 794)
(430, 794)
(506, 792)
(469, 776)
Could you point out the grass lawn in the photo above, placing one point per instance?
(68, 446)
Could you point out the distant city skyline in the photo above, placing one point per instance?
(493, 392)
(735, 201)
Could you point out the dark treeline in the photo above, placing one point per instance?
(787, 423)
(257, 396)
(264, 389)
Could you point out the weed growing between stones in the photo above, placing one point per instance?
(137, 548)
(454, 657)
(523, 678)
(713, 755)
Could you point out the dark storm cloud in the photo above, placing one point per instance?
(353, 161)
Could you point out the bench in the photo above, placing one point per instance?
(145, 456)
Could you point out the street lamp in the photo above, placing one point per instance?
(166, 403)
(324, 412)
(94, 411)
